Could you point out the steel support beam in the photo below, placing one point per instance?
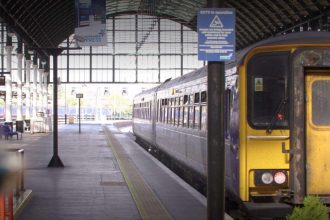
(215, 135)
(55, 161)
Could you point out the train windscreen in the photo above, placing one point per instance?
(267, 80)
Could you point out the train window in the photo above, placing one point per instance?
(267, 90)
(203, 96)
(171, 115)
(185, 116)
(227, 111)
(157, 111)
(203, 117)
(191, 117)
(197, 117)
(321, 103)
(197, 95)
(180, 116)
(185, 100)
(191, 99)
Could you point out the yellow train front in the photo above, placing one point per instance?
(284, 122)
(277, 123)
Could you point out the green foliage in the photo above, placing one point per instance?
(313, 209)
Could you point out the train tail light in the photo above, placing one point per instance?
(270, 178)
(280, 177)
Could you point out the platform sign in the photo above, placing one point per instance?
(79, 95)
(216, 34)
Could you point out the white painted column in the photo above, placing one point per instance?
(8, 115)
(19, 87)
(35, 92)
(41, 71)
(28, 90)
(45, 101)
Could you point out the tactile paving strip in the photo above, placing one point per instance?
(148, 204)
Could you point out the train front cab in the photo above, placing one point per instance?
(282, 160)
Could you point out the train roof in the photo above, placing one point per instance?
(311, 37)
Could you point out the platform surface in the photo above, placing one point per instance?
(92, 186)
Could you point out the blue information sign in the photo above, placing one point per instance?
(216, 34)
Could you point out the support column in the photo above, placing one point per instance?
(19, 81)
(45, 91)
(215, 135)
(39, 89)
(56, 160)
(27, 84)
(34, 90)
(9, 49)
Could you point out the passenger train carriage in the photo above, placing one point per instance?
(277, 122)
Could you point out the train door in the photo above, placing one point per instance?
(317, 85)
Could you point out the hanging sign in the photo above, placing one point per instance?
(216, 34)
(90, 29)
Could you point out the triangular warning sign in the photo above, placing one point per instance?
(216, 22)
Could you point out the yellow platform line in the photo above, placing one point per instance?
(148, 204)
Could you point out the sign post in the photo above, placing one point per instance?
(216, 44)
(79, 96)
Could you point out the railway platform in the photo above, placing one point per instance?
(106, 176)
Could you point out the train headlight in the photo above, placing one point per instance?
(267, 178)
(279, 177)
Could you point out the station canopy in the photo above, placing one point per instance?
(47, 23)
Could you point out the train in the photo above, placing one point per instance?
(277, 123)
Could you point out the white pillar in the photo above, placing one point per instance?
(8, 115)
(35, 92)
(41, 71)
(45, 101)
(28, 91)
(19, 87)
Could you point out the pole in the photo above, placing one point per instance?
(79, 117)
(215, 135)
(55, 161)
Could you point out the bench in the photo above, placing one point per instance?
(7, 132)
